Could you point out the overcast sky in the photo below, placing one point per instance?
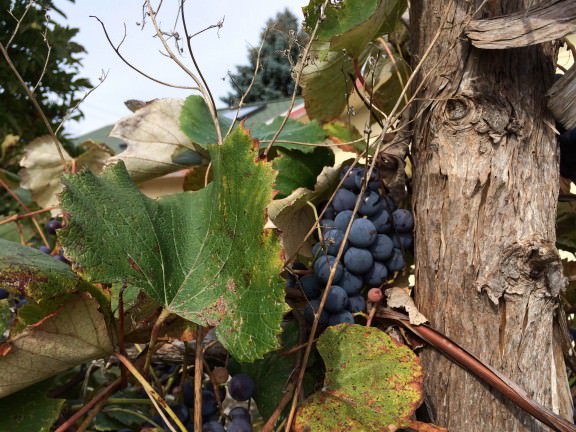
(216, 51)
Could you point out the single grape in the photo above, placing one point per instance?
(377, 275)
(291, 281)
(311, 286)
(316, 250)
(311, 308)
(3, 294)
(333, 240)
(382, 221)
(52, 225)
(358, 260)
(240, 412)
(375, 295)
(336, 300)
(327, 225)
(403, 240)
(323, 266)
(188, 394)
(388, 204)
(241, 387)
(370, 204)
(373, 181)
(44, 249)
(239, 425)
(396, 262)
(341, 317)
(382, 248)
(356, 304)
(403, 220)
(344, 200)
(349, 176)
(362, 233)
(213, 426)
(182, 412)
(342, 219)
(329, 212)
(209, 403)
(351, 283)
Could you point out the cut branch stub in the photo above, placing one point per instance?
(546, 22)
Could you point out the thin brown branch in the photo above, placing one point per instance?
(164, 314)
(18, 217)
(116, 49)
(198, 375)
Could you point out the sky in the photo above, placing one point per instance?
(216, 51)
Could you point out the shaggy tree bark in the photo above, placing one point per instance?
(486, 185)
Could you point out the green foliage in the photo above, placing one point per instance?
(280, 51)
(371, 381)
(202, 255)
(30, 410)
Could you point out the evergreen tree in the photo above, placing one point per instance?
(281, 48)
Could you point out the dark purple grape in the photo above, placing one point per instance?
(403, 240)
(311, 308)
(343, 219)
(349, 175)
(60, 257)
(241, 387)
(402, 220)
(370, 204)
(382, 221)
(396, 262)
(188, 394)
(382, 248)
(329, 212)
(52, 225)
(323, 266)
(351, 283)
(239, 425)
(291, 281)
(21, 302)
(3, 294)
(182, 412)
(341, 317)
(356, 304)
(209, 403)
(336, 300)
(44, 249)
(333, 240)
(362, 233)
(311, 286)
(357, 260)
(213, 426)
(327, 225)
(388, 204)
(316, 250)
(373, 181)
(344, 200)
(377, 275)
(241, 413)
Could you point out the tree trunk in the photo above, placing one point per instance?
(488, 274)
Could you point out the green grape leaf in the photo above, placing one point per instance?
(5, 316)
(292, 133)
(203, 255)
(197, 124)
(296, 169)
(30, 410)
(154, 141)
(351, 24)
(74, 333)
(372, 383)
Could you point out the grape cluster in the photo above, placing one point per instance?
(52, 226)
(379, 234)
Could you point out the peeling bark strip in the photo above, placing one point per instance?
(546, 22)
(485, 195)
(562, 99)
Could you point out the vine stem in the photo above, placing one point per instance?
(164, 314)
(17, 217)
(159, 403)
(104, 394)
(198, 375)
